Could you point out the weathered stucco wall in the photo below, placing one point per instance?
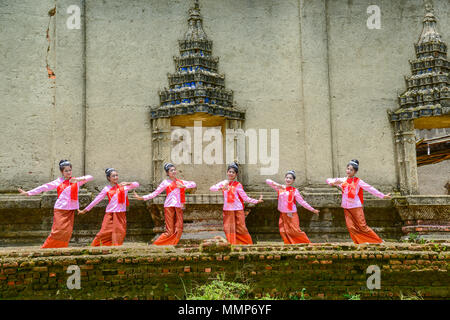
(309, 68)
(433, 178)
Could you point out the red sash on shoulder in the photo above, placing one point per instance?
(231, 195)
(120, 196)
(73, 189)
(290, 196)
(173, 186)
(350, 184)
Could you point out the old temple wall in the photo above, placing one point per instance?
(162, 273)
(311, 69)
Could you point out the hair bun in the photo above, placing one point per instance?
(62, 161)
(356, 161)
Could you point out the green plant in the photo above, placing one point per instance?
(413, 236)
(350, 296)
(219, 289)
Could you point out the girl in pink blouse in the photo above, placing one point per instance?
(233, 207)
(114, 226)
(352, 201)
(65, 206)
(289, 223)
(173, 205)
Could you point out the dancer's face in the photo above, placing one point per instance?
(67, 172)
(172, 173)
(350, 171)
(289, 179)
(231, 174)
(114, 177)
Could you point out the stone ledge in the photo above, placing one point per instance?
(327, 271)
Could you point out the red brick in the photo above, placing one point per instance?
(40, 269)
(187, 269)
(9, 271)
(208, 270)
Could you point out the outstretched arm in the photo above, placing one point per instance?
(97, 199)
(45, 187)
(303, 203)
(274, 185)
(367, 187)
(245, 197)
(162, 186)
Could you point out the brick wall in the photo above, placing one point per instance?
(327, 271)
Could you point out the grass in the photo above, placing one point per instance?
(220, 289)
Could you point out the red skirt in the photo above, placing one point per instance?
(113, 230)
(173, 217)
(358, 228)
(235, 228)
(61, 229)
(290, 229)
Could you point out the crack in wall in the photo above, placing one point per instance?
(51, 14)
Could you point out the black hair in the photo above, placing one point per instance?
(354, 163)
(292, 173)
(235, 166)
(167, 166)
(64, 163)
(108, 172)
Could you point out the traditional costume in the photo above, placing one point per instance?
(64, 209)
(114, 225)
(173, 209)
(352, 202)
(289, 222)
(234, 197)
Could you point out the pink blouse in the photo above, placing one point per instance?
(63, 202)
(173, 198)
(349, 203)
(236, 205)
(283, 200)
(113, 205)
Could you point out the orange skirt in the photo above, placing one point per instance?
(358, 228)
(235, 228)
(61, 229)
(290, 229)
(173, 217)
(113, 230)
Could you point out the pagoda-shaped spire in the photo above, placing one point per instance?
(196, 86)
(427, 87)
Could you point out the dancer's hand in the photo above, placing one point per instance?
(388, 196)
(123, 184)
(180, 185)
(225, 185)
(22, 192)
(136, 196)
(316, 211)
(82, 211)
(74, 180)
(260, 199)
